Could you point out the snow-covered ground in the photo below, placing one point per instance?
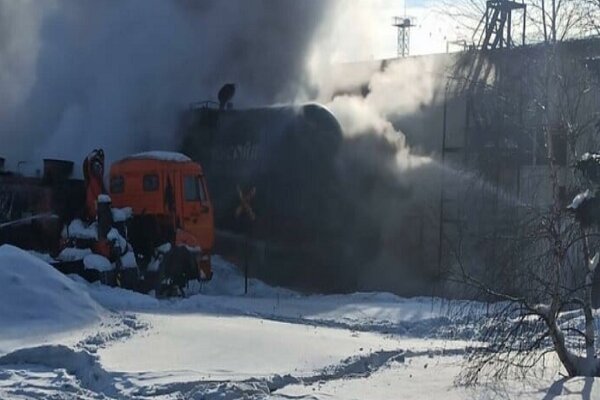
(61, 337)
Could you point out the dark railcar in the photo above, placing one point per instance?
(33, 210)
(274, 178)
(317, 210)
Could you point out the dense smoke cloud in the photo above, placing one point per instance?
(19, 45)
(395, 192)
(79, 74)
(370, 97)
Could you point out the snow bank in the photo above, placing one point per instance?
(80, 230)
(42, 256)
(73, 254)
(36, 296)
(118, 299)
(114, 235)
(231, 391)
(590, 156)
(84, 366)
(122, 214)
(161, 156)
(377, 312)
(128, 260)
(104, 198)
(228, 280)
(97, 262)
(579, 199)
(224, 347)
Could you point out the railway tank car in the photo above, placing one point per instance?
(283, 202)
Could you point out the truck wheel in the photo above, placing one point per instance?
(130, 279)
(174, 272)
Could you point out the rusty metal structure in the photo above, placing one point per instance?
(497, 23)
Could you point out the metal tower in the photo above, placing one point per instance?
(485, 106)
(496, 30)
(403, 24)
(497, 21)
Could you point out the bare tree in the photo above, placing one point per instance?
(550, 313)
(552, 247)
(592, 16)
(548, 21)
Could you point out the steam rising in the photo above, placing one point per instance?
(80, 74)
(76, 75)
(396, 191)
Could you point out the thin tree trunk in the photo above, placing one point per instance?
(544, 21)
(590, 335)
(558, 340)
(553, 21)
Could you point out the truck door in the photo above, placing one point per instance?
(197, 213)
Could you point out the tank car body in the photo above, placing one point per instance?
(276, 188)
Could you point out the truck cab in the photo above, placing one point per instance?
(170, 202)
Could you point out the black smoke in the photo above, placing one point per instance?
(81, 74)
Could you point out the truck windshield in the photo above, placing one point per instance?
(193, 188)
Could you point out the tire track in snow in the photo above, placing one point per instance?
(428, 328)
(84, 376)
(360, 366)
(120, 326)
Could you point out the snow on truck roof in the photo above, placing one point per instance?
(160, 156)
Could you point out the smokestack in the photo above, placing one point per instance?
(2, 161)
(56, 171)
(225, 95)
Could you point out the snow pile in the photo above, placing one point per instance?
(230, 391)
(97, 262)
(104, 198)
(122, 214)
(73, 254)
(116, 298)
(80, 230)
(128, 260)
(228, 280)
(81, 364)
(160, 156)
(579, 199)
(590, 156)
(35, 295)
(42, 256)
(114, 236)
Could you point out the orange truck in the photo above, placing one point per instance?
(171, 207)
(153, 230)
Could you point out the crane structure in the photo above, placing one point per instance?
(403, 25)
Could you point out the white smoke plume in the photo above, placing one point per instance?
(397, 191)
(81, 74)
(369, 97)
(75, 75)
(18, 51)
